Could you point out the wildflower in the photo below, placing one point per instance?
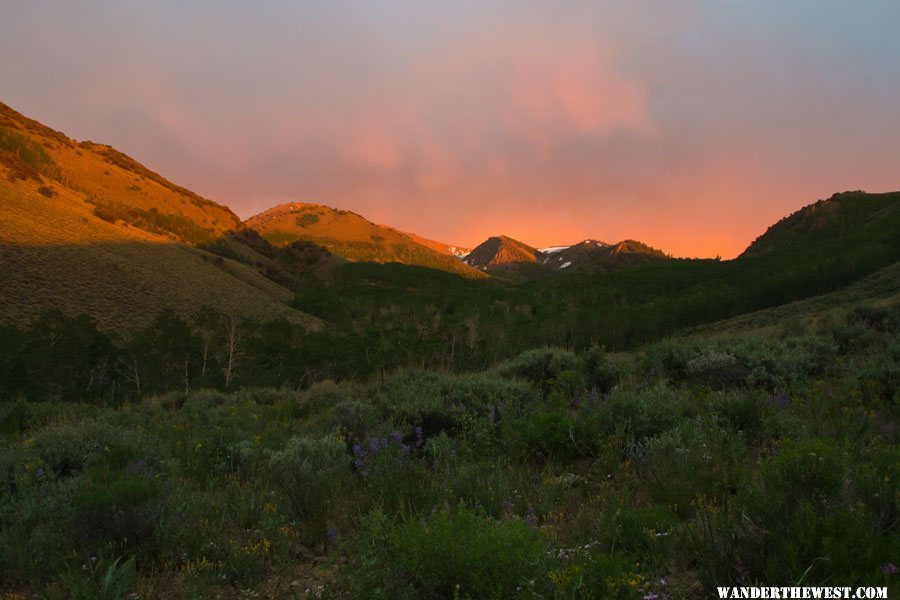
(781, 400)
(396, 438)
(530, 516)
(332, 535)
(357, 451)
(651, 596)
(889, 568)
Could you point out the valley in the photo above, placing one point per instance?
(309, 404)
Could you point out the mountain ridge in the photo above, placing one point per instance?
(503, 253)
(353, 237)
(86, 228)
(79, 218)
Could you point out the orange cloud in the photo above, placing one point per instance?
(691, 129)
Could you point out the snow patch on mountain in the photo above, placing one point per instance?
(553, 249)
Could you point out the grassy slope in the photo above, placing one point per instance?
(56, 253)
(349, 235)
(878, 289)
(104, 175)
(439, 247)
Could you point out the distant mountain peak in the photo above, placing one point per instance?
(347, 234)
(502, 252)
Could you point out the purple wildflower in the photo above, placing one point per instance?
(357, 451)
(396, 438)
(889, 568)
(530, 516)
(651, 596)
(332, 535)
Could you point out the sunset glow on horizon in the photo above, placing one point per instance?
(690, 127)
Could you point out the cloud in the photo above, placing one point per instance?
(691, 128)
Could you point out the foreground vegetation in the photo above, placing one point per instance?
(652, 474)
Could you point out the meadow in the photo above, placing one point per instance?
(659, 472)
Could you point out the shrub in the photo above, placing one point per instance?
(880, 380)
(462, 553)
(323, 396)
(598, 372)
(203, 399)
(482, 486)
(119, 508)
(634, 414)
(391, 471)
(547, 431)
(438, 402)
(64, 449)
(668, 360)
(745, 412)
(814, 514)
(539, 366)
(748, 361)
(354, 419)
(27, 152)
(246, 556)
(307, 219)
(105, 213)
(716, 369)
(879, 319)
(680, 466)
(21, 415)
(803, 471)
(46, 190)
(265, 396)
(310, 473)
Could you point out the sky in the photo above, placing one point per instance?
(690, 126)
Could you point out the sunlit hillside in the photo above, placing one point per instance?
(349, 235)
(83, 229)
